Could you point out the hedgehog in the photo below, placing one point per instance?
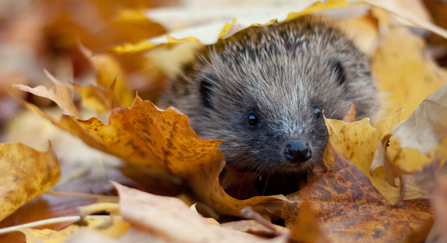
(264, 91)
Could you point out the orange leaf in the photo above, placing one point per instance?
(307, 229)
(162, 141)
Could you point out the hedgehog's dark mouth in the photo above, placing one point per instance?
(277, 166)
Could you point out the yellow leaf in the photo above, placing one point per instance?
(26, 174)
(109, 71)
(97, 97)
(403, 73)
(208, 31)
(358, 141)
(113, 227)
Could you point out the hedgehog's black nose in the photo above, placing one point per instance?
(298, 151)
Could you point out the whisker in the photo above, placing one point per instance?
(266, 182)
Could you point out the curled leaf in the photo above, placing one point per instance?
(381, 158)
(426, 126)
(59, 93)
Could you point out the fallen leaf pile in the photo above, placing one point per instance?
(385, 182)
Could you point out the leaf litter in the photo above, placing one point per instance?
(162, 141)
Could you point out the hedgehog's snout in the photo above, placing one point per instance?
(297, 151)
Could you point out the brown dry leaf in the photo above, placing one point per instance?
(426, 126)
(439, 201)
(59, 93)
(427, 176)
(350, 115)
(349, 208)
(307, 229)
(437, 11)
(403, 73)
(97, 97)
(172, 220)
(358, 141)
(26, 174)
(420, 235)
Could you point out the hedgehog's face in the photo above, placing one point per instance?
(267, 100)
(271, 117)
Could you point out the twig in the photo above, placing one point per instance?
(51, 221)
(249, 213)
(102, 198)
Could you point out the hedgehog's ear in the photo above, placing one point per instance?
(338, 70)
(205, 93)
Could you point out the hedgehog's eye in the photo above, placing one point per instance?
(338, 70)
(317, 113)
(252, 120)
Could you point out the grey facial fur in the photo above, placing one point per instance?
(278, 74)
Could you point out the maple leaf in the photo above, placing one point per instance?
(162, 141)
(349, 208)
